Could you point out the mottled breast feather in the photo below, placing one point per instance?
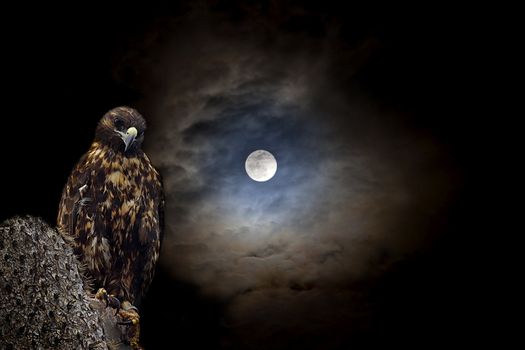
(112, 211)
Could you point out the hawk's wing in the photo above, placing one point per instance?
(74, 196)
(150, 236)
(79, 221)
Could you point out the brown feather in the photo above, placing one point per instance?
(115, 221)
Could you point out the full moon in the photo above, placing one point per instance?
(261, 165)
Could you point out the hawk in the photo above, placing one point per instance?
(111, 208)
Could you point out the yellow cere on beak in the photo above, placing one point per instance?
(132, 131)
(128, 137)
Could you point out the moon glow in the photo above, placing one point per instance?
(261, 165)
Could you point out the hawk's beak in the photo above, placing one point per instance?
(128, 137)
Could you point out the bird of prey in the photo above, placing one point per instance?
(111, 209)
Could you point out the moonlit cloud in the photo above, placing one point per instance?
(353, 193)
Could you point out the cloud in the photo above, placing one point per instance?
(354, 190)
(315, 318)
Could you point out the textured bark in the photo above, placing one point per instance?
(43, 303)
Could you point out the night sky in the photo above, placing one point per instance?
(363, 237)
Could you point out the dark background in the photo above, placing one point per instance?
(59, 78)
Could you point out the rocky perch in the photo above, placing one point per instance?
(43, 301)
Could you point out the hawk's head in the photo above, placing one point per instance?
(122, 129)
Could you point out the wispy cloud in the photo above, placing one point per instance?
(354, 189)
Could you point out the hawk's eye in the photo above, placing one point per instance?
(119, 123)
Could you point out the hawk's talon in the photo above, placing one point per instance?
(101, 294)
(130, 318)
(132, 322)
(110, 300)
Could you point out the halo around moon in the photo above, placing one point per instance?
(261, 165)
